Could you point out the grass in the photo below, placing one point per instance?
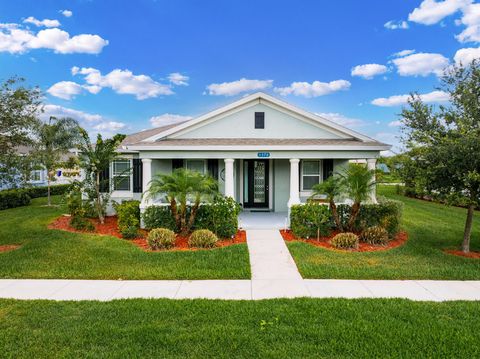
(340, 328)
(46, 253)
(431, 227)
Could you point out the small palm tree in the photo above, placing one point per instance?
(180, 187)
(332, 187)
(358, 182)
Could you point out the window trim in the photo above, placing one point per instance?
(262, 127)
(40, 179)
(205, 164)
(320, 173)
(112, 175)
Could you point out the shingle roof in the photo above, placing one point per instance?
(135, 138)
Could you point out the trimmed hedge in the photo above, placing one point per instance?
(159, 217)
(14, 198)
(310, 220)
(128, 213)
(36, 192)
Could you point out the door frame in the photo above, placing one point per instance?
(248, 202)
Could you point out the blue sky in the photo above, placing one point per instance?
(124, 66)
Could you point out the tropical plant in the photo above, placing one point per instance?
(358, 182)
(179, 188)
(203, 238)
(345, 240)
(161, 238)
(375, 235)
(332, 187)
(53, 139)
(94, 159)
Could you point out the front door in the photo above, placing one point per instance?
(255, 179)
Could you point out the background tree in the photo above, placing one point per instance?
(447, 140)
(94, 159)
(54, 139)
(19, 108)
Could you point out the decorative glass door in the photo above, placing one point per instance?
(256, 183)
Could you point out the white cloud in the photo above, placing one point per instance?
(395, 123)
(239, 86)
(368, 71)
(66, 13)
(60, 111)
(398, 100)
(110, 126)
(467, 55)
(396, 25)
(17, 40)
(65, 90)
(168, 119)
(341, 119)
(431, 11)
(122, 82)
(421, 64)
(314, 89)
(44, 22)
(178, 79)
(403, 53)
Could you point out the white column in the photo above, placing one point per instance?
(147, 177)
(372, 165)
(229, 181)
(294, 186)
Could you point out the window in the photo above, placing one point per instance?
(121, 175)
(196, 165)
(260, 120)
(311, 174)
(36, 176)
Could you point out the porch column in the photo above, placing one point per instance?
(229, 181)
(294, 186)
(372, 165)
(147, 177)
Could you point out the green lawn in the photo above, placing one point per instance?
(49, 253)
(340, 328)
(431, 227)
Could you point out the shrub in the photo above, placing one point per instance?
(310, 220)
(202, 238)
(220, 217)
(375, 235)
(128, 213)
(345, 241)
(158, 217)
(14, 198)
(81, 224)
(36, 192)
(161, 238)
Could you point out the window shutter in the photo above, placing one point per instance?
(177, 163)
(212, 165)
(137, 175)
(327, 168)
(105, 180)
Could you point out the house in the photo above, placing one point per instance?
(265, 153)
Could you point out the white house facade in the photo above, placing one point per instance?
(265, 153)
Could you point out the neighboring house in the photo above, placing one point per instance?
(265, 153)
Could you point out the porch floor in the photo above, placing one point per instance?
(262, 220)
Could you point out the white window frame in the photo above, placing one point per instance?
(40, 179)
(112, 175)
(320, 174)
(196, 160)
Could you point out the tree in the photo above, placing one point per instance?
(55, 138)
(19, 108)
(180, 187)
(447, 140)
(332, 187)
(94, 159)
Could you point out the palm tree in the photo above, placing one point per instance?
(180, 187)
(332, 187)
(55, 138)
(358, 181)
(96, 158)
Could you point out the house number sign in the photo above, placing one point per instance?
(263, 154)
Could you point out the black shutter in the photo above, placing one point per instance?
(137, 175)
(177, 163)
(327, 168)
(212, 165)
(259, 119)
(105, 180)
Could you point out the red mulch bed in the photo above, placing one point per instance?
(324, 242)
(9, 247)
(109, 228)
(475, 255)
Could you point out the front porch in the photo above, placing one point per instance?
(263, 220)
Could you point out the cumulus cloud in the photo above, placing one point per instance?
(235, 87)
(395, 123)
(168, 119)
(396, 25)
(398, 100)
(403, 53)
(17, 40)
(467, 55)
(65, 90)
(421, 64)
(66, 13)
(178, 79)
(110, 126)
(431, 11)
(60, 111)
(314, 89)
(44, 22)
(368, 71)
(341, 119)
